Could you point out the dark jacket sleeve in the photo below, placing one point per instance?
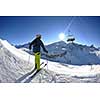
(44, 49)
(30, 45)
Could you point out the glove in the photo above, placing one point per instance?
(46, 51)
(29, 47)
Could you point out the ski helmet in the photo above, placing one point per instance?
(38, 36)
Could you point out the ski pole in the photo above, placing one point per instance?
(47, 63)
(29, 59)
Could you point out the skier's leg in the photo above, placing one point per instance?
(35, 60)
(38, 61)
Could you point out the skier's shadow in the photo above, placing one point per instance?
(21, 79)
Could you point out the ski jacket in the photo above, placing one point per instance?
(37, 44)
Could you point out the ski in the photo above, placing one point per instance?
(27, 77)
(35, 68)
(37, 72)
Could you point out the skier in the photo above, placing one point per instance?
(37, 43)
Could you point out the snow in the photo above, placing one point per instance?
(73, 70)
(73, 53)
(17, 52)
(16, 66)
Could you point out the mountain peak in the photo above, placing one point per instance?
(58, 43)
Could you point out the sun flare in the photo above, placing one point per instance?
(62, 36)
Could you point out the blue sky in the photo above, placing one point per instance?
(19, 30)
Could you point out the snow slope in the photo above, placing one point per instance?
(16, 66)
(13, 62)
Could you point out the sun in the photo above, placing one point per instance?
(62, 36)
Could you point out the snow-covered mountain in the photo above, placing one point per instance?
(99, 48)
(26, 45)
(73, 53)
(70, 53)
(16, 66)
